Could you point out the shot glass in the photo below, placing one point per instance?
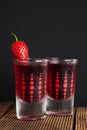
(61, 83)
(31, 86)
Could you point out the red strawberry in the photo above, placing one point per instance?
(19, 49)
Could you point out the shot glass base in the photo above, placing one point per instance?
(60, 108)
(30, 111)
(30, 118)
(59, 113)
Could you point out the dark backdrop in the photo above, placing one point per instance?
(50, 28)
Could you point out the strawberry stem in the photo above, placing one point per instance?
(15, 37)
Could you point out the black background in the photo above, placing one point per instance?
(50, 28)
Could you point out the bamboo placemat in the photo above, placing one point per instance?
(9, 122)
(81, 119)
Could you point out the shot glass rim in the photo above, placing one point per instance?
(62, 60)
(31, 60)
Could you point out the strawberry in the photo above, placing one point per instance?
(19, 49)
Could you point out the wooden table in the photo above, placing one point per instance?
(8, 120)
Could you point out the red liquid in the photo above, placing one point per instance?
(61, 80)
(30, 82)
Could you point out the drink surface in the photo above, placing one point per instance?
(30, 82)
(61, 80)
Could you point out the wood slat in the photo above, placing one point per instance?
(9, 122)
(81, 119)
(5, 107)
